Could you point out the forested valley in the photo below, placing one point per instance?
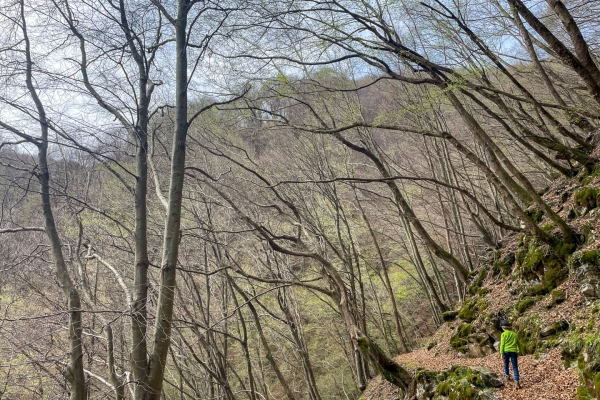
(275, 199)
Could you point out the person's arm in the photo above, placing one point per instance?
(502, 344)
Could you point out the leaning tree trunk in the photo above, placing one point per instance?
(74, 372)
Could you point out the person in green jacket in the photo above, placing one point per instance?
(509, 351)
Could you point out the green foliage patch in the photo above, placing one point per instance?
(587, 197)
(523, 305)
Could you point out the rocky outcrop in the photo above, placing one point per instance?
(587, 273)
(458, 382)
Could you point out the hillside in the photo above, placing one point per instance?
(551, 300)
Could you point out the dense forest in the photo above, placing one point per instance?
(273, 199)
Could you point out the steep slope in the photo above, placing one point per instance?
(548, 291)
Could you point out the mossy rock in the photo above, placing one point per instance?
(459, 341)
(586, 177)
(587, 197)
(475, 287)
(551, 279)
(471, 308)
(544, 262)
(523, 305)
(570, 350)
(449, 315)
(554, 329)
(528, 333)
(558, 296)
(503, 263)
(456, 383)
(535, 215)
(589, 366)
(588, 232)
(585, 257)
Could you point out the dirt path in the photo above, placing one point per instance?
(543, 379)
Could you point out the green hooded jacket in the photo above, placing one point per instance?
(509, 342)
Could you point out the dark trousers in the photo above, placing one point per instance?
(514, 360)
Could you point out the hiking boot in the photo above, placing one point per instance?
(517, 385)
(506, 378)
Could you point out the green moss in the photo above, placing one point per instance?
(558, 296)
(571, 348)
(572, 214)
(458, 341)
(528, 333)
(463, 391)
(563, 249)
(476, 285)
(588, 232)
(587, 353)
(443, 389)
(597, 382)
(548, 227)
(587, 197)
(544, 262)
(535, 215)
(586, 257)
(456, 383)
(524, 305)
(551, 279)
(583, 394)
(471, 308)
(587, 177)
(503, 263)
(449, 315)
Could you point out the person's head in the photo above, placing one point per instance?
(505, 325)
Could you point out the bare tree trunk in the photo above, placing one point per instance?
(584, 66)
(386, 280)
(74, 372)
(164, 313)
(294, 324)
(282, 381)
